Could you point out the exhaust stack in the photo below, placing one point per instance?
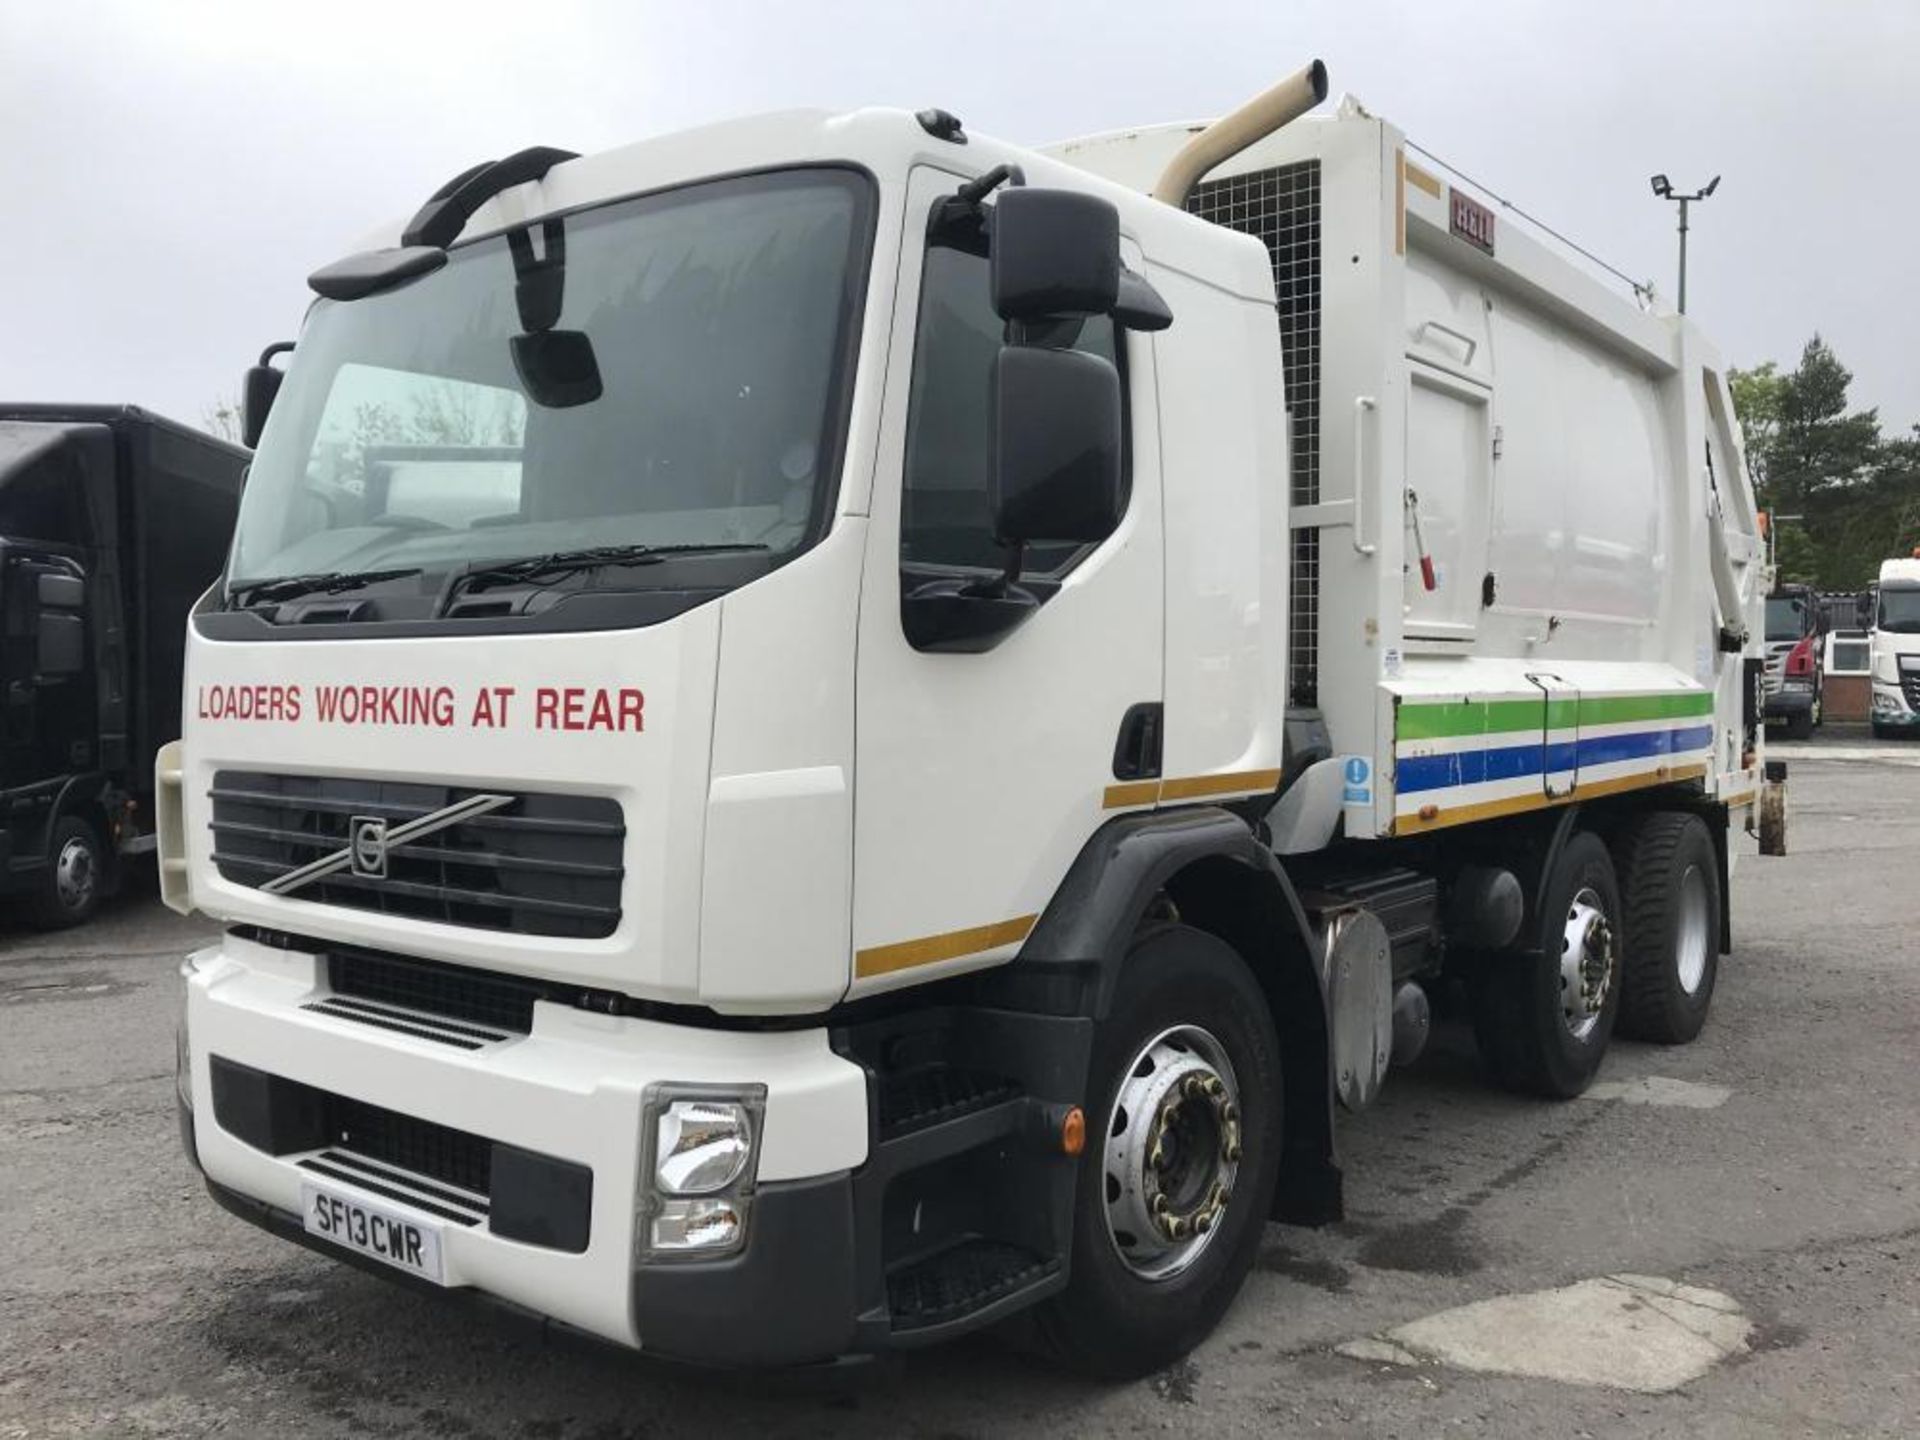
(1231, 134)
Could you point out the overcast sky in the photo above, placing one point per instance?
(171, 170)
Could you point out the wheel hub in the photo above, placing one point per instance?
(1172, 1152)
(73, 874)
(1587, 964)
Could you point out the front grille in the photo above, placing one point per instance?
(393, 1183)
(494, 1003)
(1910, 687)
(1281, 207)
(543, 865)
(420, 1147)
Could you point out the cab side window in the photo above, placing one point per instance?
(945, 523)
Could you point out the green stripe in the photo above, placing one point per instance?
(1494, 717)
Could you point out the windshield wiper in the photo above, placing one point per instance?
(246, 593)
(572, 562)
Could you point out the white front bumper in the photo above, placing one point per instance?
(572, 1089)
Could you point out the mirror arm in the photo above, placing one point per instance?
(977, 189)
(1004, 583)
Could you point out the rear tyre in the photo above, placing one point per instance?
(75, 878)
(1183, 1151)
(1670, 891)
(1543, 1017)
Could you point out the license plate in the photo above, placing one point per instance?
(399, 1240)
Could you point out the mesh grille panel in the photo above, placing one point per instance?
(1281, 207)
(451, 1156)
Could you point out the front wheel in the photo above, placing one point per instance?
(1183, 1151)
(1543, 1017)
(75, 879)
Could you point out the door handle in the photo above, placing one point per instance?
(1465, 339)
(1361, 405)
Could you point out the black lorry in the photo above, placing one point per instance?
(112, 522)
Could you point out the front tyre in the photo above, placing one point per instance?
(1670, 882)
(1543, 1017)
(1183, 1152)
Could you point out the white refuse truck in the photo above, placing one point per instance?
(1894, 644)
(825, 732)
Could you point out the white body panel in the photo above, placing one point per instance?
(1895, 654)
(1548, 434)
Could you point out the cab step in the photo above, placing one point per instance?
(961, 1281)
(930, 1095)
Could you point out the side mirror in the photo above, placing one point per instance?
(59, 631)
(1056, 446)
(1054, 252)
(256, 394)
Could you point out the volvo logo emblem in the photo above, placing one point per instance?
(367, 850)
(371, 839)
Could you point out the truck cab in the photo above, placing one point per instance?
(112, 521)
(1795, 677)
(1895, 645)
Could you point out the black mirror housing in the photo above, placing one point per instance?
(1054, 252)
(257, 390)
(557, 367)
(256, 399)
(1056, 446)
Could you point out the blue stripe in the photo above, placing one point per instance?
(1511, 762)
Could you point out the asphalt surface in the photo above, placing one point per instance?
(130, 1305)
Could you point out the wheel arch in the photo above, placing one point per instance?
(1217, 877)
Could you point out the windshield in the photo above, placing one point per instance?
(718, 322)
(1900, 609)
(1786, 617)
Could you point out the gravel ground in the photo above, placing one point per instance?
(130, 1305)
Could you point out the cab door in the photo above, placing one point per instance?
(49, 693)
(980, 775)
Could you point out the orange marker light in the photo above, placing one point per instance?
(1073, 1132)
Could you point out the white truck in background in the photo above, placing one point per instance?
(825, 731)
(1894, 644)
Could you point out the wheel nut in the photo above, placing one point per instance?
(1157, 1157)
(1214, 1087)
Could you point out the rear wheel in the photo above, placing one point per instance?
(1543, 1017)
(1670, 889)
(1182, 1154)
(75, 879)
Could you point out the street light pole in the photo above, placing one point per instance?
(1664, 189)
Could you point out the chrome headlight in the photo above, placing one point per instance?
(700, 1146)
(701, 1153)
